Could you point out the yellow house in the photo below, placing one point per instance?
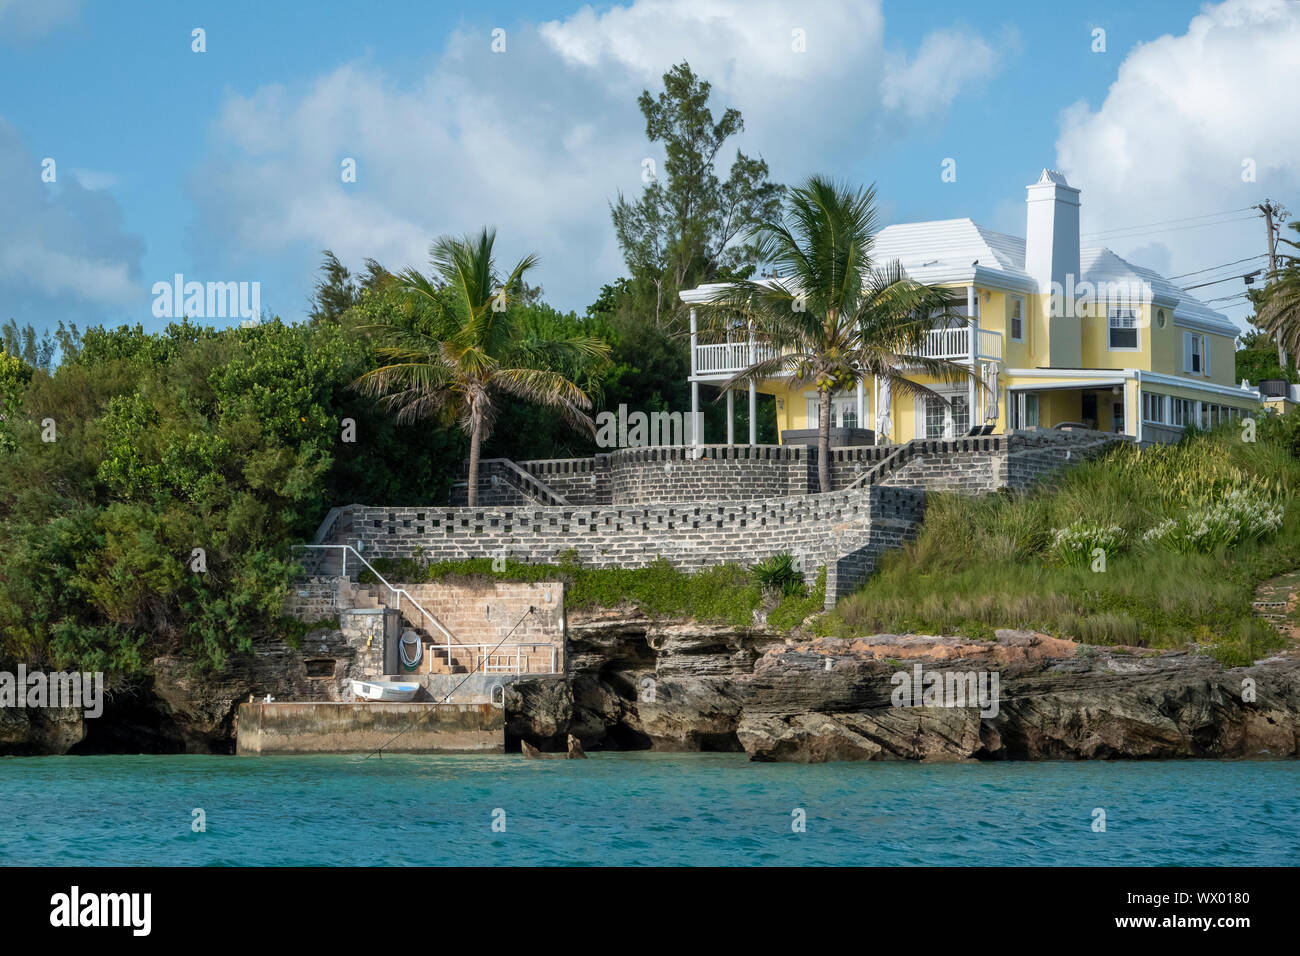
(1052, 334)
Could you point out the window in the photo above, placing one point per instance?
(1017, 317)
(960, 412)
(1160, 318)
(1196, 354)
(950, 419)
(1123, 327)
(1117, 416)
(1153, 408)
(1023, 408)
(934, 417)
(1181, 412)
(844, 410)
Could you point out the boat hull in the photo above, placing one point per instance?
(384, 690)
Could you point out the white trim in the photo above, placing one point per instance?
(1136, 328)
(1024, 318)
(1054, 386)
(1089, 377)
(1229, 391)
(1203, 325)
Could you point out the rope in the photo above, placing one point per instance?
(380, 751)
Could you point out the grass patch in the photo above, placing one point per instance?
(727, 594)
(1028, 560)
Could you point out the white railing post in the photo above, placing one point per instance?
(972, 334)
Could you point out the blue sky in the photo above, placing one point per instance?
(224, 165)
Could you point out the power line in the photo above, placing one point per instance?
(1224, 266)
(1202, 285)
(1152, 232)
(1162, 222)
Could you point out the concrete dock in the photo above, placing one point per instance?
(327, 727)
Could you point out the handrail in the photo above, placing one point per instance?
(532, 480)
(531, 484)
(345, 548)
(889, 463)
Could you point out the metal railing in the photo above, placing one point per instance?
(392, 590)
(949, 342)
(491, 663)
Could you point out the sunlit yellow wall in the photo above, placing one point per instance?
(1096, 340)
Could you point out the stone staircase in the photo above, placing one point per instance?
(1278, 602)
(366, 596)
(508, 482)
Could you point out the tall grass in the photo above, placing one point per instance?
(984, 563)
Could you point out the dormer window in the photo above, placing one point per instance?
(1123, 327)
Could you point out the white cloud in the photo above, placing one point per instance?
(947, 62)
(1170, 138)
(29, 19)
(538, 140)
(63, 253)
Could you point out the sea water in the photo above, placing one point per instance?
(641, 809)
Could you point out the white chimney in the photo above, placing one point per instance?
(1052, 231)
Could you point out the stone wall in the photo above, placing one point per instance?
(582, 481)
(363, 630)
(754, 472)
(845, 531)
(709, 473)
(487, 612)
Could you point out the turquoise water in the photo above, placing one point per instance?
(641, 809)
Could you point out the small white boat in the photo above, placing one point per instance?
(384, 690)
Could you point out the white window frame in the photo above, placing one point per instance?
(1018, 409)
(1196, 345)
(948, 425)
(1113, 312)
(841, 402)
(1153, 401)
(1012, 302)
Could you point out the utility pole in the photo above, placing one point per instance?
(1271, 209)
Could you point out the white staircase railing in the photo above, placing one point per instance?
(512, 663)
(392, 590)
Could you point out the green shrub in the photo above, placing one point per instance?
(779, 574)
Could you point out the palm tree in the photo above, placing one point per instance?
(835, 317)
(462, 346)
(1278, 303)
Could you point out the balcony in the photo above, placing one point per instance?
(724, 359)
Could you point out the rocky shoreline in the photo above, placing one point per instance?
(636, 683)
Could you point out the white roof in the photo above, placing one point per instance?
(962, 251)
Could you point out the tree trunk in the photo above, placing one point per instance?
(824, 441)
(475, 439)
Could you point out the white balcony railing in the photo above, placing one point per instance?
(953, 343)
(727, 358)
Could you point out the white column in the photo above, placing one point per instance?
(862, 407)
(697, 425)
(731, 417)
(753, 414)
(693, 329)
(972, 333)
